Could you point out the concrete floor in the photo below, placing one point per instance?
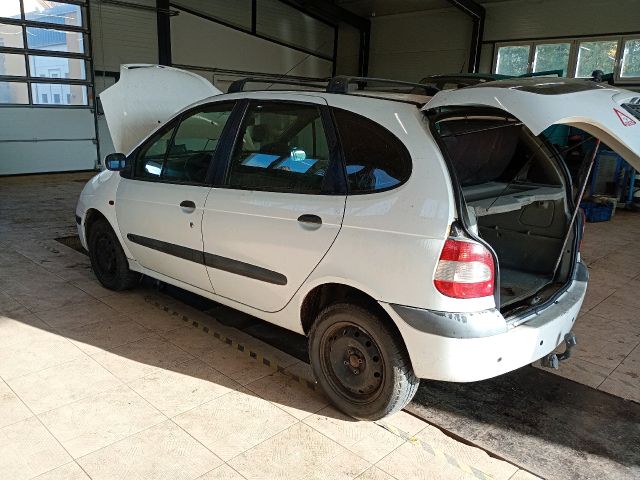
(136, 385)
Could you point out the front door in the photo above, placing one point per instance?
(160, 208)
(281, 206)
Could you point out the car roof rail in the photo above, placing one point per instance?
(239, 85)
(341, 84)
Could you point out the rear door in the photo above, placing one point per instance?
(608, 113)
(281, 205)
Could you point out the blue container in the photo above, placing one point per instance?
(597, 212)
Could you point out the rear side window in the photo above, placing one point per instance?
(281, 147)
(375, 158)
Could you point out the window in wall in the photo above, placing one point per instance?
(551, 56)
(513, 60)
(375, 158)
(54, 12)
(631, 59)
(14, 93)
(12, 64)
(11, 36)
(10, 8)
(600, 55)
(65, 36)
(282, 147)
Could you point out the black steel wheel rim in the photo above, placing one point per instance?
(352, 362)
(105, 252)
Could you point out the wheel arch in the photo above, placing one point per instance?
(328, 293)
(93, 214)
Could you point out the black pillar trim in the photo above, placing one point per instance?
(164, 32)
(477, 14)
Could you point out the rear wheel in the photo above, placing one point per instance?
(108, 260)
(361, 364)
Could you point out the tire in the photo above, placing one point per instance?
(348, 338)
(108, 260)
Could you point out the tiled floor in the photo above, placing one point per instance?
(101, 385)
(607, 356)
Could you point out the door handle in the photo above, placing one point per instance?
(188, 204)
(307, 218)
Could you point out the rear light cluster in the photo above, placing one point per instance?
(465, 270)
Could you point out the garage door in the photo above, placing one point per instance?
(46, 96)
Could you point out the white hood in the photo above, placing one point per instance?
(145, 97)
(608, 113)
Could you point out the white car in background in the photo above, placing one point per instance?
(407, 236)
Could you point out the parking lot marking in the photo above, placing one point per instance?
(246, 350)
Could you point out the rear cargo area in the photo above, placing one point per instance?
(515, 193)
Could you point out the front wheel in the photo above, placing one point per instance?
(360, 363)
(108, 260)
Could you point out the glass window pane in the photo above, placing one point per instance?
(596, 56)
(57, 67)
(283, 149)
(151, 156)
(375, 158)
(11, 36)
(194, 144)
(10, 8)
(14, 93)
(54, 12)
(513, 60)
(58, 94)
(631, 59)
(12, 64)
(56, 40)
(552, 56)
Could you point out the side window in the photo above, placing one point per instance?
(281, 147)
(185, 156)
(375, 158)
(151, 157)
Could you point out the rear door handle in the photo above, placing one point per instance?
(188, 204)
(313, 219)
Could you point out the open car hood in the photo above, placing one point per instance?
(147, 96)
(608, 113)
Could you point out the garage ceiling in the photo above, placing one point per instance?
(368, 8)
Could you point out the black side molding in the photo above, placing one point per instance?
(211, 260)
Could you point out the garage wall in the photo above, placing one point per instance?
(411, 46)
(201, 42)
(524, 19)
(123, 34)
(348, 54)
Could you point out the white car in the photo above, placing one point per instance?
(407, 236)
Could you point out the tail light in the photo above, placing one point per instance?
(465, 270)
(582, 228)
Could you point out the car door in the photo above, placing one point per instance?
(159, 207)
(281, 205)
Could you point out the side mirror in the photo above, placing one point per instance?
(115, 162)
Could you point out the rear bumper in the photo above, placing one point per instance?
(440, 357)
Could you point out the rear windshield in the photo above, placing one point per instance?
(486, 148)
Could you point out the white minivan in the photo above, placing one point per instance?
(407, 236)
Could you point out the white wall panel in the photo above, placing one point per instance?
(199, 42)
(411, 46)
(548, 18)
(123, 35)
(46, 140)
(44, 156)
